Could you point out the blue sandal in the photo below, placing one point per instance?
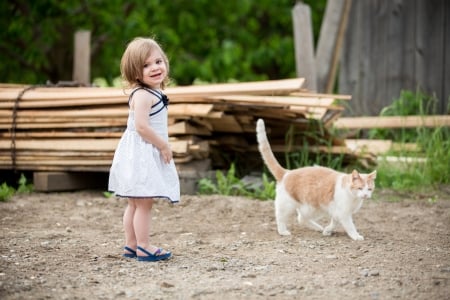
(132, 253)
(153, 256)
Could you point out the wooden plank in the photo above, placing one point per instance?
(71, 125)
(379, 146)
(179, 147)
(276, 101)
(304, 45)
(64, 134)
(227, 123)
(331, 37)
(392, 122)
(372, 146)
(110, 111)
(43, 122)
(63, 144)
(66, 162)
(53, 168)
(82, 57)
(194, 110)
(271, 87)
(186, 128)
(67, 93)
(322, 95)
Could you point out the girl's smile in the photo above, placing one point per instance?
(154, 71)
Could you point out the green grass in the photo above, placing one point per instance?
(433, 144)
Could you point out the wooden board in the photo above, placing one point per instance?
(393, 122)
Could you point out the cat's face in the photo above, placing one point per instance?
(362, 185)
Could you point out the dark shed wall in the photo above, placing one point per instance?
(394, 45)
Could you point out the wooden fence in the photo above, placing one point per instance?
(392, 46)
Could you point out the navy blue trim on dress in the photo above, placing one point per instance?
(162, 98)
(142, 197)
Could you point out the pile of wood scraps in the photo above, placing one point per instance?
(78, 128)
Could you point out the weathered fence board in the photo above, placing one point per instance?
(392, 46)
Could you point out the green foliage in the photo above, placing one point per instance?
(24, 186)
(108, 194)
(429, 166)
(6, 191)
(408, 104)
(210, 41)
(305, 156)
(230, 185)
(268, 189)
(226, 184)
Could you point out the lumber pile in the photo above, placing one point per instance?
(78, 128)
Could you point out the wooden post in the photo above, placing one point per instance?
(304, 45)
(330, 42)
(82, 57)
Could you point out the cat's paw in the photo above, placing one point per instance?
(327, 232)
(284, 232)
(357, 237)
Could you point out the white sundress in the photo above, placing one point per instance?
(137, 170)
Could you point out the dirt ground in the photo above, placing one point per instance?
(69, 245)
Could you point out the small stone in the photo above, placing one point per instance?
(364, 272)
(358, 283)
(344, 282)
(167, 285)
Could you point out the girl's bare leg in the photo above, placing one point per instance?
(128, 217)
(141, 223)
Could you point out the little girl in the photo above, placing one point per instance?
(143, 168)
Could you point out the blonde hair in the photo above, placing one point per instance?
(133, 60)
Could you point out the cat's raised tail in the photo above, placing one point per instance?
(266, 152)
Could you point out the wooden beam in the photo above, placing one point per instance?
(63, 144)
(379, 146)
(82, 57)
(331, 37)
(304, 45)
(393, 122)
(66, 181)
(276, 101)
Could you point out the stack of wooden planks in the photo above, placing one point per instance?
(78, 128)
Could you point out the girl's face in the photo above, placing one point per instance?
(154, 71)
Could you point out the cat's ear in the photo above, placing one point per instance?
(373, 175)
(355, 175)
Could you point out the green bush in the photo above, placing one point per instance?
(6, 191)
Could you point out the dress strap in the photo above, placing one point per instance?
(162, 98)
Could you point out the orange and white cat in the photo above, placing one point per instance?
(315, 191)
